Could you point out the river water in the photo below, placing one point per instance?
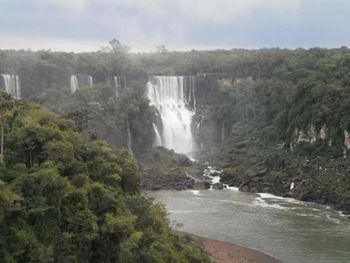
(290, 230)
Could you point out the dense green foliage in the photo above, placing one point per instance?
(98, 113)
(164, 169)
(277, 101)
(65, 199)
(297, 89)
(289, 89)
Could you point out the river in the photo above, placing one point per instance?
(290, 230)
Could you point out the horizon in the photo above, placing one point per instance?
(133, 51)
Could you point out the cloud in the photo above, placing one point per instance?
(179, 24)
(52, 43)
(218, 11)
(215, 11)
(64, 4)
(222, 11)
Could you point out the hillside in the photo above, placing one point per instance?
(66, 199)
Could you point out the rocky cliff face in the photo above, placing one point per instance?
(248, 153)
(347, 139)
(311, 136)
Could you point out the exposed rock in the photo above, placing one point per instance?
(157, 179)
(224, 82)
(323, 132)
(275, 163)
(310, 135)
(306, 136)
(219, 186)
(347, 139)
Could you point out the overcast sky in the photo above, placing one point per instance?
(82, 25)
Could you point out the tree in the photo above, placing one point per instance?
(162, 49)
(5, 105)
(116, 46)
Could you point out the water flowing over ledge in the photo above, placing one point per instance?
(12, 85)
(77, 81)
(174, 98)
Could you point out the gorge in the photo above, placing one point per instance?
(268, 119)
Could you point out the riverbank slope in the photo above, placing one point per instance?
(223, 252)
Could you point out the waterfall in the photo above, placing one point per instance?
(173, 96)
(198, 126)
(158, 138)
(119, 83)
(80, 80)
(90, 81)
(129, 140)
(193, 89)
(116, 86)
(12, 85)
(198, 132)
(74, 84)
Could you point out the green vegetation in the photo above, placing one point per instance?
(65, 199)
(253, 105)
(98, 113)
(164, 169)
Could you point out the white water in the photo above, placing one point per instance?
(213, 173)
(116, 86)
(158, 138)
(80, 80)
(74, 84)
(119, 84)
(12, 85)
(174, 98)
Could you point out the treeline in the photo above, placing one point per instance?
(66, 199)
(286, 90)
(305, 90)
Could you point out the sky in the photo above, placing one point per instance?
(88, 25)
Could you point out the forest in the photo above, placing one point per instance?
(255, 108)
(64, 198)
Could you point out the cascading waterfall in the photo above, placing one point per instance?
(174, 98)
(12, 85)
(157, 138)
(74, 84)
(80, 80)
(193, 85)
(198, 131)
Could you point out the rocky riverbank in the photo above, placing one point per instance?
(302, 182)
(163, 169)
(176, 179)
(281, 173)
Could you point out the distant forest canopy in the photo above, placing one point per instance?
(42, 70)
(287, 90)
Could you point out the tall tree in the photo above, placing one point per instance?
(5, 105)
